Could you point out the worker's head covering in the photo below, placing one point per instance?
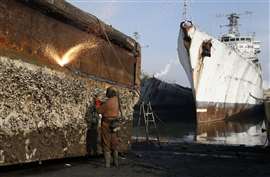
(111, 92)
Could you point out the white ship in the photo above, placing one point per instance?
(224, 73)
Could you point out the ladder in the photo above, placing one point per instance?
(146, 112)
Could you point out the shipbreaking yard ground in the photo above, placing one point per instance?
(150, 160)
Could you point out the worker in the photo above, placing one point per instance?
(98, 146)
(110, 113)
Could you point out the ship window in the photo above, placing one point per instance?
(237, 39)
(232, 39)
(225, 39)
(248, 39)
(242, 39)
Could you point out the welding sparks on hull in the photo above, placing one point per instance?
(70, 55)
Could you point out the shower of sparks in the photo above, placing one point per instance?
(70, 55)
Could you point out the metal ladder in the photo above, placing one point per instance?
(149, 118)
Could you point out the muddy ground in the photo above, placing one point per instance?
(169, 160)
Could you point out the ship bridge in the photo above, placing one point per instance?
(245, 46)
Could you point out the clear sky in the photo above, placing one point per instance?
(157, 22)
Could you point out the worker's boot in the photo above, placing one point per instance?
(107, 156)
(115, 158)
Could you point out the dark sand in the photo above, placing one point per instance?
(171, 160)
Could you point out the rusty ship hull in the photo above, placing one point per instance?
(267, 113)
(47, 109)
(223, 81)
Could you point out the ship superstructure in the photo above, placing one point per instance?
(245, 45)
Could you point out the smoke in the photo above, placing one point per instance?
(70, 55)
(166, 69)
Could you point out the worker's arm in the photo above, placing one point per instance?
(101, 108)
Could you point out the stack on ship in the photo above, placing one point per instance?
(225, 74)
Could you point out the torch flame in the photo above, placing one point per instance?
(70, 55)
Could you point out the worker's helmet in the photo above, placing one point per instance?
(111, 92)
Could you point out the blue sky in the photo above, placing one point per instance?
(158, 24)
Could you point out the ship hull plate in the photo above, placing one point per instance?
(211, 112)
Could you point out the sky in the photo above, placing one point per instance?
(157, 22)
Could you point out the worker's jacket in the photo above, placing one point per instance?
(109, 109)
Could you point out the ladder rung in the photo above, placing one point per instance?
(149, 113)
(150, 119)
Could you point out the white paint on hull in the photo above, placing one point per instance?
(201, 110)
(225, 77)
